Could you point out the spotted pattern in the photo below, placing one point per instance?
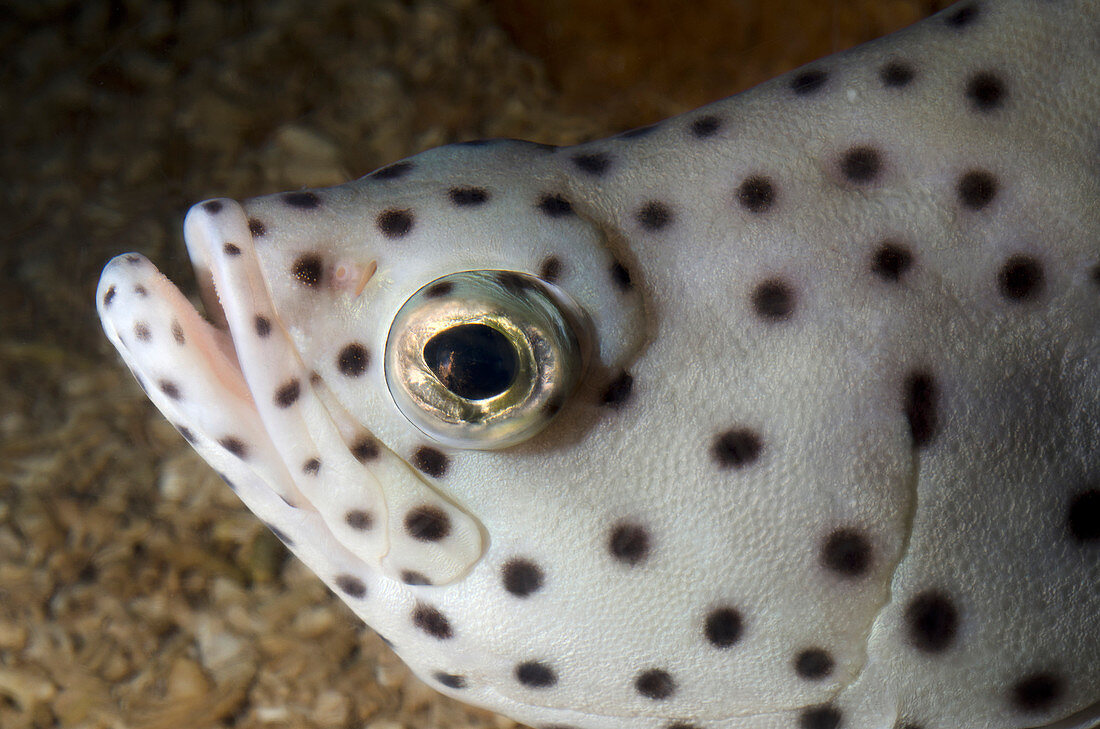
(177, 333)
(555, 206)
(535, 674)
(920, 407)
(393, 172)
(654, 215)
(365, 449)
(521, 577)
(723, 626)
(861, 165)
(617, 392)
(427, 523)
(431, 621)
(808, 82)
(976, 189)
(985, 91)
(756, 194)
(288, 393)
(963, 16)
(932, 621)
(550, 270)
(170, 389)
(234, 445)
(1083, 517)
(595, 164)
(820, 717)
(629, 543)
(773, 300)
(262, 325)
(736, 448)
(304, 200)
(896, 74)
(655, 684)
(890, 261)
(1037, 692)
(353, 359)
(847, 553)
(351, 586)
(359, 519)
(706, 126)
(430, 461)
(450, 680)
(308, 270)
(1020, 278)
(468, 196)
(395, 223)
(813, 664)
(414, 578)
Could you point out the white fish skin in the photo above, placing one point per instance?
(835, 458)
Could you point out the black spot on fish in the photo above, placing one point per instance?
(308, 270)
(723, 626)
(756, 194)
(430, 461)
(985, 91)
(976, 189)
(1020, 278)
(655, 683)
(427, 523)
(654, 215)
(706, 126)
(896, 74)
(351, 586)
(395, 223)
(808, 82)
(847, 552)
(628, 543)
(359, 519)
(596, 163)
(432, 621)
(736, 448)
(468, 196)
(521, 577)
(555, 206)
(303, 200)
(392, 172)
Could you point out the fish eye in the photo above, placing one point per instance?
(484, 359)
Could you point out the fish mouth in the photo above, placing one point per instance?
(200, 237)
(316, 441)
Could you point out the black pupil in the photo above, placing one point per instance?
(473, 361)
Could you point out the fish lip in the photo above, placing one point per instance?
(202, 232)
(206, 234)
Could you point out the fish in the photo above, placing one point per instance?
(783, 412)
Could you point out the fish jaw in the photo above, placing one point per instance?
(241, 396)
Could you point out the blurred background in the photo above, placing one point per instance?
(135, 590)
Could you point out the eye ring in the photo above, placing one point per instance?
(484, 359)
